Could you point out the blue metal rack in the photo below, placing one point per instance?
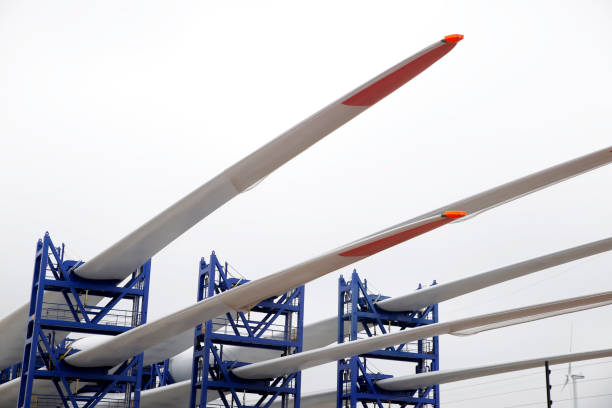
(59, 305)
(356, 384)
(275, 324)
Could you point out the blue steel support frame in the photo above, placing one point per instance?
(274, 324)
(356, 385)
(45, 345)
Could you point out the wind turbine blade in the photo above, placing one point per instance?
(12, 336)
(308, 359)
(513, 190)
(526, 319)
(123, 257)
(13, 330)
(9, 393)
(170, 396)
(132, 251)
(441, 292)
(108, 351)
(317, 399)
(411, 382)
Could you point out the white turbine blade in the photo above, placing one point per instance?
(132, 251)
(411, 382)
(12, 337)
(108, 351)
(122, 258)
(317, 399)
(118, 261)
(441, 292)
(9, 391)
(169, 396)
(13, 330)
(308, 359)
(526, 319)
(513, 190)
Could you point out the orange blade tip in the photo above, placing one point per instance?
(454, 214)
(453, 38)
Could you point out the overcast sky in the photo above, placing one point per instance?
(113, 110)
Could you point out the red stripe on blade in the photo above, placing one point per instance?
(384, 86)
(388, 242)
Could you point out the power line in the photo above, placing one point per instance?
(592, 364)
(521, 390)
(493, 395)
(522, 376)
(492, 382)
(561, 400)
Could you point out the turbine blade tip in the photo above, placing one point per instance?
(454, 214)
(453, 38)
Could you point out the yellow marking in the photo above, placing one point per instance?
(65, 354)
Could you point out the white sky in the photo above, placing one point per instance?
(112, 110)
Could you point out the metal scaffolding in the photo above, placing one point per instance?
(356, 382)
(274, 324)
(62, 302)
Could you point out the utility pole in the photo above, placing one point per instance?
(548, 387)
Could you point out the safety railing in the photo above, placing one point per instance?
(116, 317)
(274, 331)
(53, 401)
